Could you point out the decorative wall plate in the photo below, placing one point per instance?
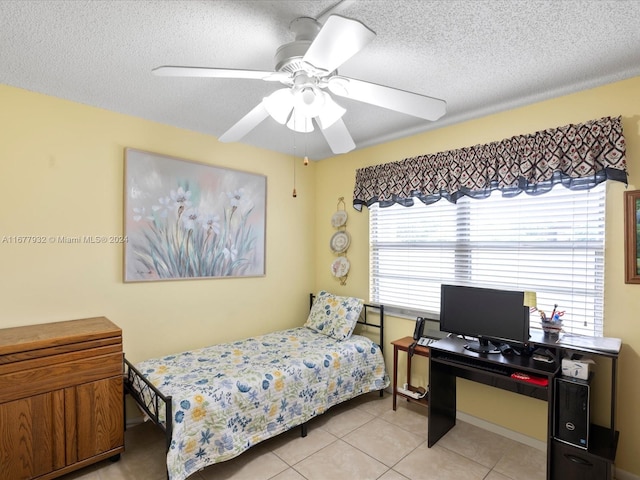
(340, 267)
(339, 242)
(339, 219)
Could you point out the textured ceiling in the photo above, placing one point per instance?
(481, 56)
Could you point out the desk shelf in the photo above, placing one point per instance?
(498, 373)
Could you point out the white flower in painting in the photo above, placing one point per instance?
(233, 253)
(164, 208)
(235, 197)
(139, 214)
(181, 197)
(211, 224)
(190, 218)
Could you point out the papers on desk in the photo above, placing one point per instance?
(426, 341)
(602, 344)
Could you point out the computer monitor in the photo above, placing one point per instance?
(486, 314)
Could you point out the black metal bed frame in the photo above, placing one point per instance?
(136, 385)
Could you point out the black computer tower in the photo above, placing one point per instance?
(571, 411)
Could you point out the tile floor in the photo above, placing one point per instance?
(360, 439)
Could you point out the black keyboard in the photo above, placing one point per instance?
(488, 367)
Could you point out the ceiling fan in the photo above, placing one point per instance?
(308, 67)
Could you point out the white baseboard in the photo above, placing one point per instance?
(505, 432)
(532, 442)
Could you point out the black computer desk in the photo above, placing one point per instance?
(450, 360)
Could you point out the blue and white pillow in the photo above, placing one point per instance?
(334, 316)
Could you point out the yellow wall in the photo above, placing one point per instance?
(61, 174)
(336, 176)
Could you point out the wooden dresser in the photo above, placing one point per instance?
(61, 398)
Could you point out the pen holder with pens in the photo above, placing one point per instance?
(551, 326)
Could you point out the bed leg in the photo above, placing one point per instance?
(303, 430)
(381, 393)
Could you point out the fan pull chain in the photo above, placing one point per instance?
(295, 194)
(293, 136)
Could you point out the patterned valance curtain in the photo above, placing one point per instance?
(576, 156)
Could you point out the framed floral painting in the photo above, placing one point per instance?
(187, 220)
(632, 236)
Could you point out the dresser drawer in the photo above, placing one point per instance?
(75, 369)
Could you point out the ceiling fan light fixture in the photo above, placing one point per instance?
(309, 101)
(339, 86)
(298, 122)
(279, 105)
(331, 111)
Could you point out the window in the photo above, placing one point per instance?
(551, 244)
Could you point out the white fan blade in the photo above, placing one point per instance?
(401, 101)
(245, 124)
(337, 136)
(337, 7)
(174, 71)
(339, 39)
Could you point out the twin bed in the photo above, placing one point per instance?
(216, 402)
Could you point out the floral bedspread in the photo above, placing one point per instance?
(229, 397)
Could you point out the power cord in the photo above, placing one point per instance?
(422, 391)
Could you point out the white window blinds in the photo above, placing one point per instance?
(551, 244)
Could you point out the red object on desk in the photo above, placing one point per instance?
(529, 379)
